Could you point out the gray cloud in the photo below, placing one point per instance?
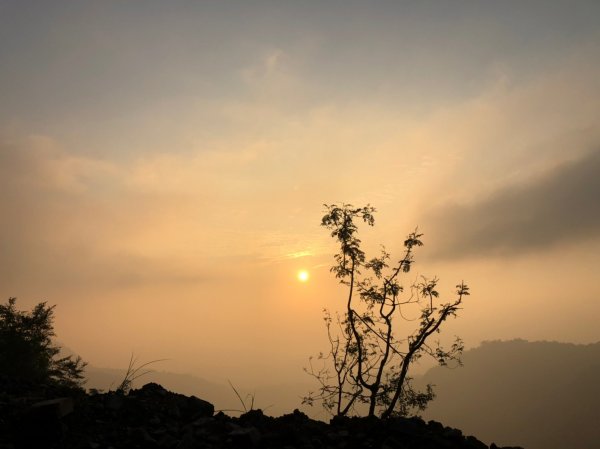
(560, 207)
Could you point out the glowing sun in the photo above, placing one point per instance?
(303, 275)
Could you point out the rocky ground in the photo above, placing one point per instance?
(152, 417)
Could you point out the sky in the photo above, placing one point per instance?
(164, 166)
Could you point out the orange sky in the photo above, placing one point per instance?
(163, 169)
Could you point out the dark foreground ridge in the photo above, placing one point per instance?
(152, 417)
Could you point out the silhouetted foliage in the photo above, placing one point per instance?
(26, 349)
(367, 362)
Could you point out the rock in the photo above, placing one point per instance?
(199, 407)
(252, 417)
(151, 389)
(114, 401)
(474, 443)
(56, 408)
(153, 417)
(41, 423)
(493, 446)
(141, 435)
(245, 437)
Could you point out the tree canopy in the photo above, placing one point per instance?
(369, 360)
(27, 351)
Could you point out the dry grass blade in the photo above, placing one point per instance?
(134, 372)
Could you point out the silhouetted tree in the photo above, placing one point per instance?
(367, 362)
(26, 349)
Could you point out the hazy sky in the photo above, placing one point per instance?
(163, 168)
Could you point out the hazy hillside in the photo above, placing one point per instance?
(276, 399)
(541, 395)
(221, 395)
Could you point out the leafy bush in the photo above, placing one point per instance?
(27, 352)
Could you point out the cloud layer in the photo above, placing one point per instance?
(560, 206)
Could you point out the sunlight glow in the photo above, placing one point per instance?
(303, 275)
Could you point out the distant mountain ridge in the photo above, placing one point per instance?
(540, 395)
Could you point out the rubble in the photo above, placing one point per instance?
(155, 418)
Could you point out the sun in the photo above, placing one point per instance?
(303, 275)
